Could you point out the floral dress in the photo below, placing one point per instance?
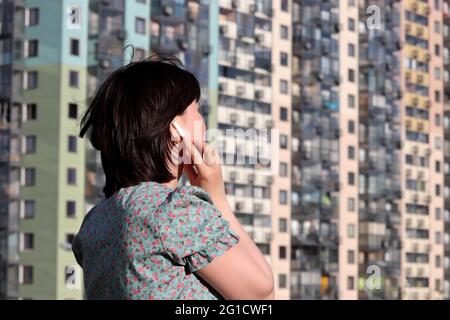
(147, 241)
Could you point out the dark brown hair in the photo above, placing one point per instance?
(129, 118)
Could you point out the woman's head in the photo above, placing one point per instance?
(129, 119)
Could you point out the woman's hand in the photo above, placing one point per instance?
(209, 171)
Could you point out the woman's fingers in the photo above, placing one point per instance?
(210, 155)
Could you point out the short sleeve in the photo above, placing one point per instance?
(193, 231)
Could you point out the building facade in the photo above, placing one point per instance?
(332, 118)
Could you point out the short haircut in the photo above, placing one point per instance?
(128, 119)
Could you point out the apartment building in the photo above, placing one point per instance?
(367, 111)
(254, 60)
(334, 130)
(446, 74)
(43, 178)
(11, 66)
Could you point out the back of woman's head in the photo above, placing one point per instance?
(129, 118)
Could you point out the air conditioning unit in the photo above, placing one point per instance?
(183, 44)
(251, 64)
(252, 8)
(259, 94)
(420, 78)
(234, 60)
(420, 223)
(415, 102)
(269, 124)
(428, 199)
(257, 207)
(420, 272)
(408, 222)
(415, 149)
(233, 176)
(420, 175)
(167, 10)
(408, 272)
(222, 87)
(259, 38)
(191, 15)
(269, 180)
(234, 117)
(427, 104)
(239, 206)
(408, 172)
(416, 197)
(420, 126)
(251, 121)
(105, 63)
(415, 247)
(235, 4)
(121, 34)
(251, 178)
(240, 90)
(223, 29)
(415, 6)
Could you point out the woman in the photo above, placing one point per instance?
(150, 238)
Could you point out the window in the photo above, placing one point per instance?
(283, 114)
(282, 281)
(283, 169)
(27, 241)
(284, 59)
(437, 96)
(139, 54)
(69, 238)
(350, 283)
(283, 141)
(351, 50)
(33, 48)
(282, 225)
(29, 211)
(282, 195)
(31, 112)
(438, 214)
(437, 120)
(437, 190)
(437, 261)
(30, 144)
(284, 87)
(285, 5)
(139, 25)
(73, 111)
(437, 50)
(71, 209)
(351, 256)
(30, 177)
(351, 126)
(27, 275)
(351, 24)
(437, 166)
(33, 17)
(282, 252)
(351, 152)
(74, 47)
(351, 178)
(351, 230)
(351, 204)
(351, 101)
(71, 176)
(351, 75)
(32, 80)
(284, 32)
(437, 237)
(72, 143)
(74, 79)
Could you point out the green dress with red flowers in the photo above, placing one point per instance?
(147, 241)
